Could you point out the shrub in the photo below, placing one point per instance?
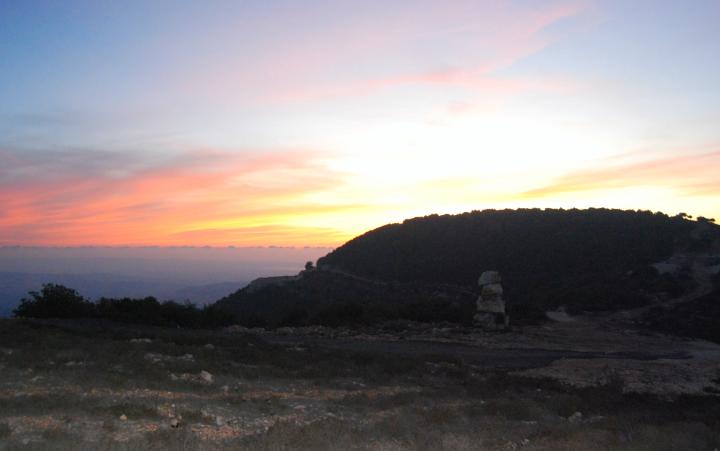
(57, 301)
(54, 301)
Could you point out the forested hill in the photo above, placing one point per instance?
(427, 268)
(544, 255)
(535, 243)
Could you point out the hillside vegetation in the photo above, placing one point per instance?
(58, 301)
(583, 260)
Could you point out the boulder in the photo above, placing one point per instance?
(206, 377)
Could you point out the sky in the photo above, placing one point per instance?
(305, 123)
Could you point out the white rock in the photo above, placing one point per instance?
(154, 358)
(123, 417)
(207, 377)
(576, 417)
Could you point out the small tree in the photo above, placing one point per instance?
(309, 266)
(54, 301)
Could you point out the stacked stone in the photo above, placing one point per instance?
(490, 304)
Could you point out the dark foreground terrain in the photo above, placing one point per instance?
(574, 384)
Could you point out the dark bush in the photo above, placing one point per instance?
(54, 301)
(57, 301)
(340, 314)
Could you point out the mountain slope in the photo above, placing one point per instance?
(584, 260)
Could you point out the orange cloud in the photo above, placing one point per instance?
(45, 200)
(693, 174)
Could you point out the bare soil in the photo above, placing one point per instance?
(583, 384)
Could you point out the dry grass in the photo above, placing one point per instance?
(277, 398)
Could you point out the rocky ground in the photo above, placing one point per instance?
(579, 383)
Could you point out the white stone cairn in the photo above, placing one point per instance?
(491, 314)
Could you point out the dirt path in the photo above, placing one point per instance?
(500, 358)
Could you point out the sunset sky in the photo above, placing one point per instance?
(295, 123)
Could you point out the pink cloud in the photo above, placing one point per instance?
(154, 205)
(463, 44)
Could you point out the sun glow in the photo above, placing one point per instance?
(308, 129)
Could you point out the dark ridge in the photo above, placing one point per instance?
(584, 260)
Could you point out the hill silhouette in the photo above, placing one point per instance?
(427, 267)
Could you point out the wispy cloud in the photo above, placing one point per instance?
(463, 44)
(690, 174)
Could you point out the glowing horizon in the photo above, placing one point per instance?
(266, 124)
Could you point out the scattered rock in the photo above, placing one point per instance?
(174, 423)
(154, 358)
(209, 346)
(140, 340)
(207, 377)
(123, 417)
(203, 377)
(160, 358)
(244, 330)
(559, 316)
(576, 417)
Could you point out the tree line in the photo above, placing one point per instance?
(58, 301)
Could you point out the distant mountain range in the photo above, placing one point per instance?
(199, 275)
